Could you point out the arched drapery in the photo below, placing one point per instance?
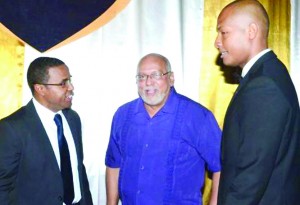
(214, 92)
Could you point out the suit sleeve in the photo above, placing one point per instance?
(10, 151)
(263, 115)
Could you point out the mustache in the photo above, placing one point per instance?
(150, 88)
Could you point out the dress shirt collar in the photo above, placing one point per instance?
(248, 65)
(44, 113)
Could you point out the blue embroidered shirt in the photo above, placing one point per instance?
(162, 159)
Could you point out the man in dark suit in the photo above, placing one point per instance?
(31, 155)
(261, 134)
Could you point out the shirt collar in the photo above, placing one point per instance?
(171, 102)
(43, 112)
(248, 65)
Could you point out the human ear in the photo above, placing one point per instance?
(172, 79)
(252, 30)
(39, 89)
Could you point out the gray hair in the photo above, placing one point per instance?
(156, 55)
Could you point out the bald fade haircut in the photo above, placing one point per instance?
(255, 9)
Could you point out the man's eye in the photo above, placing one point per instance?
(140, 77)
(155, 74)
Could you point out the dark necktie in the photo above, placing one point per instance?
(65, 163)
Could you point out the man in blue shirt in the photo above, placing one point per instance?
(161, 143)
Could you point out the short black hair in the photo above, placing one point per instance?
(38, 70)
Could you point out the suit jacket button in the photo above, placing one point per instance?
(60, 198)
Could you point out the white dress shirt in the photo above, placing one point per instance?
(248, 65)
(47, 118)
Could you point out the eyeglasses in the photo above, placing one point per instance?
(63, 84)
(153, 76)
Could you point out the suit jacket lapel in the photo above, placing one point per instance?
(37, 129)
(254, 71)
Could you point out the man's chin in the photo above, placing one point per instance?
(68, 105)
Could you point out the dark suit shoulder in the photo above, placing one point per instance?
(270, 67)
(25, 111)
(70, 113)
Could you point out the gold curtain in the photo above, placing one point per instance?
(215, 93)
(11, 73)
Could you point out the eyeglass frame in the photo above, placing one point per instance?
(152, 76)
(64, 83)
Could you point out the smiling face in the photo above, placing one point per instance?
(56, 97)
(154, 92)
(233, 39)
(242, 32)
